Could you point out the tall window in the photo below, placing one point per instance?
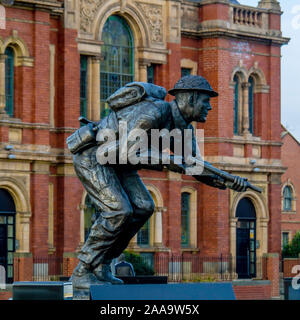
(236, 105)
(251, 104)
(83, 86)
(9, 81)
(185, 219)
(284, 239)
(143, 236)
(185, 72)
(150, 74)
(117, 67)
(287, 198)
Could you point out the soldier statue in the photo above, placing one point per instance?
(116, 190)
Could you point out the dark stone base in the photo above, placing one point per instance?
(39, 290)
(181, 291)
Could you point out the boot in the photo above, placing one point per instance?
(103, 273)
(82, 277)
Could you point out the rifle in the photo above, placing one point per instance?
(223, 174)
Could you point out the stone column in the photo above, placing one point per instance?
(2, 84)
(245, 90)
(95, 97)
(158, 228)
(23, 231)
(142, 72)
(233, 224)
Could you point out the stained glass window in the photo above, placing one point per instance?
(185, 219)
(287, 199)
(117, 66)
(9, 81)
(251, 104)
(83, 86)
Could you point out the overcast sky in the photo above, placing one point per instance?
(290, 64)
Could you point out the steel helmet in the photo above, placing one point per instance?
(190, 83)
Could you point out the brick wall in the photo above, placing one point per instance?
(257, 290)
(288, 265)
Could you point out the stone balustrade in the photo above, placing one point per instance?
(247, 17)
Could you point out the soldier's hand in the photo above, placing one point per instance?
(239, 184)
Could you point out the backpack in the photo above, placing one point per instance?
(130, 94)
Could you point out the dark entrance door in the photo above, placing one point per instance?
(7, 233)
(3, 245)
(246, 240)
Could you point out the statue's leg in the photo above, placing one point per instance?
(107, 193)
(143, 207)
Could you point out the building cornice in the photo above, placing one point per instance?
(55, 7)
(241, 35)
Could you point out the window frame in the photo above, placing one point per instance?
(9, 81)
(185, 216)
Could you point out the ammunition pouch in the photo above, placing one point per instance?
(82, 139)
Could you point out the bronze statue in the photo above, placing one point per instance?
(116, 190)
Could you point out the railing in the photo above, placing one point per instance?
(47, 269)
(247, 17)
(181, 268)
(178, 268)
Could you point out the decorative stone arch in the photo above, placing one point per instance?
(241, 72)
(259, 80)
(23, 211)
(131, 14)
(21, 52)
(193, 214)
(138, 26)
(262, 219)
(288, 183)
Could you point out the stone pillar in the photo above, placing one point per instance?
(95, 86)
(233, 223)
(158, 239)
(142, 72)
(23, 231)
(245, 90)
(2, 85)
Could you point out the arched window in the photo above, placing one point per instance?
(287, 198)
(185, 219)
(117, 66)
(83, 86)
(236, 105)
(9, 81)
(251, 104)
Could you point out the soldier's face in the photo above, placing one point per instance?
(201, 106)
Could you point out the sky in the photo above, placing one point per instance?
(290, 64)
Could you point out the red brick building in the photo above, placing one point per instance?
(60, 59)
(290, 216)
